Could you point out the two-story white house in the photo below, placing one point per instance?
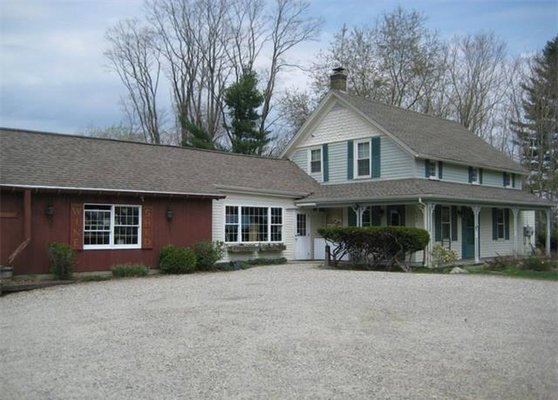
(383, 165)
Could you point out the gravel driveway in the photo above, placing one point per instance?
(283, 332)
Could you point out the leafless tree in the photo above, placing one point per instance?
(133, 56)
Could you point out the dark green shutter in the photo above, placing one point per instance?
(470, 174)
(480, 175)
(440, 170)
(513, 180)
(350, 162)
(376, 161)
(352, 217)
(376, 215)
(325, 156)
(494, 224)
(427, 168)
(507, 223)
(438, 223)
(453, 223)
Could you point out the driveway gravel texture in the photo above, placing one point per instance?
(283, 332)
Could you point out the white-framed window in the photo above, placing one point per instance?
(246, 224)
(500, 223)
(111, 226)
(445, 223)
(315, 161)
(432, 169)
(474, 176)
(362, 158)
(300, 224)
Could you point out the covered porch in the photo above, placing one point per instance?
(475, 228)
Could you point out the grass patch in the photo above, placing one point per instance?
(95, 278)
(128, 270)
(516, 273)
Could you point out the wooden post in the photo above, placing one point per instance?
(327, 259)
(515, 212)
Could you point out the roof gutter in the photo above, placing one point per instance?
(249, 190)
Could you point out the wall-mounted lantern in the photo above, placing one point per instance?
(49, 211)
(170, 214)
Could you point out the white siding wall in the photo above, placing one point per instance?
(300, 158)
(337, 162)
(492, 178)
(395, 161)
(488, 246)
(454, 173)
(218, 223)
(338, 125)
(526, 218)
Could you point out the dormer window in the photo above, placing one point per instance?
(474, 175)
(508, 179)
(315, 161)
(431, 169)
(362, 159)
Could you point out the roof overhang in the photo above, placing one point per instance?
(249, 190)
(111, 191)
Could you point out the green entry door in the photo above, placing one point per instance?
(468, 233)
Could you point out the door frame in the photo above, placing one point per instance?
(307, 238)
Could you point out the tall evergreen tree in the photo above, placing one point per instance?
(197, 136)
(537, 132)
(243, 100)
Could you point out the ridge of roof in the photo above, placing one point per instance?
(130, 142)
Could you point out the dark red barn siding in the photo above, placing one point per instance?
(191, 223)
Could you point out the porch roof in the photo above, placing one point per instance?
(425, 189)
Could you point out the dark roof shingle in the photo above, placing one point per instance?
(393, 190)
(431, 137)
(55, 160)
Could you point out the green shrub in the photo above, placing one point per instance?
(177, 260)
(207, 254)
(500, 263)
(373, 246)
(125, 270)
(62, 260)
(535, 263)
(442, 256)
(266, 261)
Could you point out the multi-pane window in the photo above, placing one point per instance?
(445, 223)
(111, 226)
(431, 167)
(474, 175)
(500, 224)
(315, 161)
(363, 158)
(507, 179)
(231, 224)
(253, 224)
(301, 224)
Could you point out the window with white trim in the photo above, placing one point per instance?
(445, 223)
(432, 169)
(111, 226)
(500, 224)
(253, 224)
(474, 177)
(362, 158)
(315, 161)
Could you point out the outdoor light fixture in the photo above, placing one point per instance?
(170, 214)
(49, 211)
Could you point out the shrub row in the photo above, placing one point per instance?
(238, 265)
(183, 260)
(127, 270)
(375, 246)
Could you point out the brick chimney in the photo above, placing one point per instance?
(338, 80)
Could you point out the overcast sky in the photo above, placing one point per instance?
(53, 75)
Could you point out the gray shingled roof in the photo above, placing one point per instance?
(54, 160)
(412, 189)
(431, 137)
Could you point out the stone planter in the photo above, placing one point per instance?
(242, 248)
(273, 247)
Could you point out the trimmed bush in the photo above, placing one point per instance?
(535, 263)
(238, 265)
(375, 246)
(442, 256)
(177, 260)
(126, 270)
(207, 254)
(62, 260)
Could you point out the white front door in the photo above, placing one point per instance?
(302, 237)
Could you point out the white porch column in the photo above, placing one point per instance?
(515, 212)
(358, 212)
(548, 223)
(431, 208)
(426, 212)
(476, 211)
